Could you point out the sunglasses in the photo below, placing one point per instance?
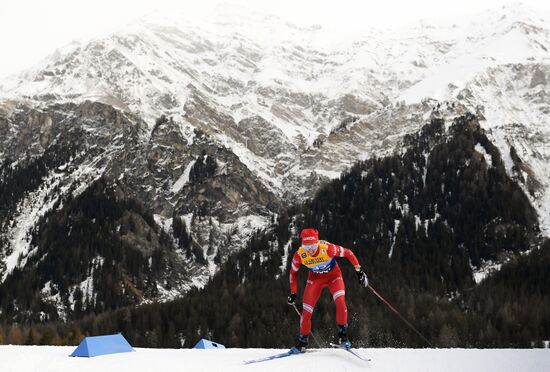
(310, 247)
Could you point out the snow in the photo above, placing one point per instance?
(544, 214)
(499, 140)
(479, 148)
(167, 294)
(260, 62)
(425, 172)
(165, 223)
(240, 230)
(284, 259)
(31, 210)
(532, 146)
(328, 173)
(487, 268)
(87, 288)
(262, 168)
(54, 299)
(55, 358)
(394, 237)
(244, 64)
(188, 219)
(51, 294)
(37, 203)
(481, 274)
(479, 43)
(184, 178)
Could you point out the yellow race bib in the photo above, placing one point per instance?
(320, 264)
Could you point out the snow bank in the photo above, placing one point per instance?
(55, 358)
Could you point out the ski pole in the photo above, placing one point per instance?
(398, 314)
(311, 333)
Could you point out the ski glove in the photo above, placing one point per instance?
(362, 277)
(291, 299)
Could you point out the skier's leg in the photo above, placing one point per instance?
(337, 288)
(311, 295)
(338, 291)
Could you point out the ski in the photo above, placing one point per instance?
(291, 352)
(350, 351)
(295, 351)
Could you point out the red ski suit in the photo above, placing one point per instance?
(323, 272)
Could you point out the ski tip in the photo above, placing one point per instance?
(349, 350)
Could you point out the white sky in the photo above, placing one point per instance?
(32, 29)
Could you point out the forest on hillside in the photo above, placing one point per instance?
(420, 224)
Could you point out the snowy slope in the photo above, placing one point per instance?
(513, 100)
(295, 104)
(497, 65)
(282, 97)
(51, 358)
(512, 34)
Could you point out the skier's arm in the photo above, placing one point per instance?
(294, 267)
(338, 251)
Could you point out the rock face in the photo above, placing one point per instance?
(55, 154)
(214, 126)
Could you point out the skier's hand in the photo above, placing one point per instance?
(362, 277)
(291, 299)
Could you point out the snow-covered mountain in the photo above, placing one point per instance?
(280, 108)
(304, 87)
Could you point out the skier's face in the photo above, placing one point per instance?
(311, 248)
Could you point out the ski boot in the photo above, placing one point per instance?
(302, 344)
(343, 340)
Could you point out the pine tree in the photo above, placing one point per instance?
(15, 336)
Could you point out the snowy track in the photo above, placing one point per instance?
(52, 358)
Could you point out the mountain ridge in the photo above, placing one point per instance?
(302, 87)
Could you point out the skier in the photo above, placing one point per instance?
(319, 257)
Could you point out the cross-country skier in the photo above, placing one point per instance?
(319, 257)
